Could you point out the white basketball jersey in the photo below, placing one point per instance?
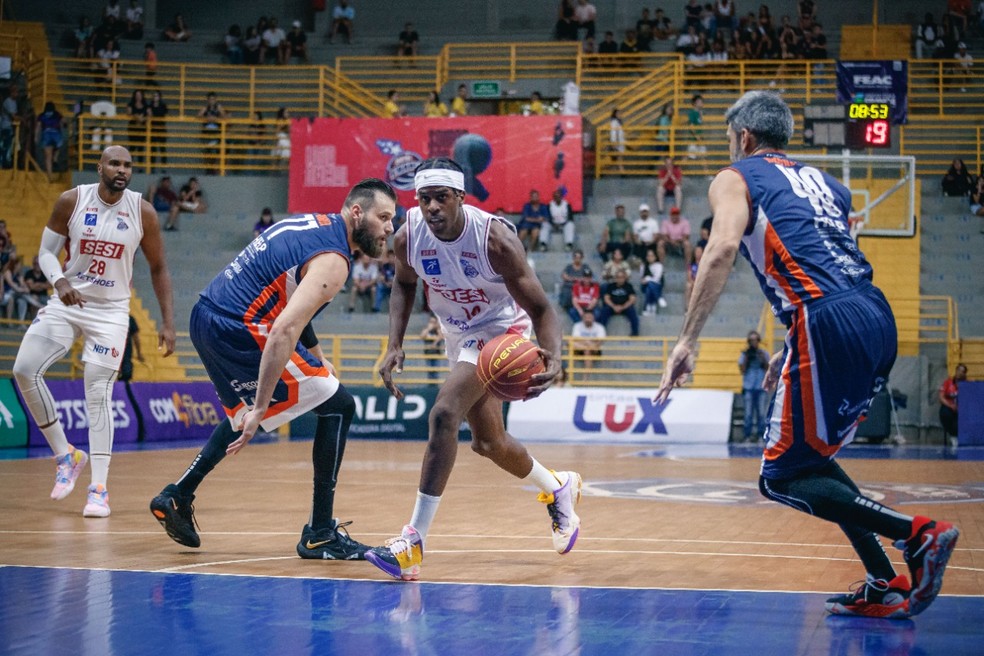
(463, 290)
(103, 240)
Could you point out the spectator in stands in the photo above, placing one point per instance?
(926, 34)
(536, 107)
(948, 400)
(585, 297)
(211, 114)
(695, 119)
(38, 286)
(959, 11)
(725, 19)
(364, 276)
(434, 108)
(585, 14)
(459, 106)
(84, 34)
(49, 133)
(977, 197)
(16, 295)
(281, 150)
(390, 108)
(384, 283)
(150, 64)
(691, 15)
(134, 21)
(645, 233)
(753, 363)
(589, 47)
(433, 340)
(946, 42)
(296, 43)
(407, 41)
(615, 265)
(132, 346)
(233, 44)
(264, 222)
(619, 299)
(662, 26)
(669, 180)
(566, 27)
(139, 112)
(164, 199)
(588, 335)
(574, 271)
(9, 113)
(251, 46)
(675, 236)
(561, 220)
(112, 8)
(644, 30)
(629, 44)
(273, 42)
(957, 181)
(806, 10)
(965, 64)
(191, 199)
(616, 139)
(651, 275)
(705, 234)
(616, 235)
(531, 220)
(158, 128)
(817, 43)
(608, 45)
(109, 56)
(342, 20)
(177, 31)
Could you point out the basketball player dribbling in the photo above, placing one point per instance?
(790, 222)
(104, 224)
(479, 285)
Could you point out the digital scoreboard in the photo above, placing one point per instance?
(858, 125)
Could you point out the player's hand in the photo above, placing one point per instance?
(329, 366)
(540, 382)
(251, 423)
(772, 373)
(165, 341)
(68, 294)
(678, 366)
(392, 362)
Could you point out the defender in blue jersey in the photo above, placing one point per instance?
(252, 329)
(790, 221)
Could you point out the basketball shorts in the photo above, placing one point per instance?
(464, 346)
(231, 353)
(104, 329)
(838, 355)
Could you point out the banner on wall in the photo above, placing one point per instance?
(13, 420)
(70, 405)
(876, 82)
(608, 415)
(177, 411)
(504, 157)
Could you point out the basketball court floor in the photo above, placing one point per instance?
(678, 554)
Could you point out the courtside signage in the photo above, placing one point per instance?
(74, 415)
(594, 414)
(177, 411)
(13, 420)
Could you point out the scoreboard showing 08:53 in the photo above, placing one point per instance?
(868, 126)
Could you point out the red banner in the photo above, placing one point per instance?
(504, 157)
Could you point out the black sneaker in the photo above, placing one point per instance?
(331, 543)
(176, 515)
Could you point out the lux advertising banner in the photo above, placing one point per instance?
(503, 157)
(595, 414)
(73, 412)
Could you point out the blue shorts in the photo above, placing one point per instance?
(839, 352)
(231, 350)
(52, 138)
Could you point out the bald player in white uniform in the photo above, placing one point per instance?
(104, 225)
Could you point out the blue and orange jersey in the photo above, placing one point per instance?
(798, 243)
(256, 285)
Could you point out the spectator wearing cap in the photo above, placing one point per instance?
(675, 236)
(965, 63)
(297, 42)
(645, 233)
(669, 180)
(617, 235)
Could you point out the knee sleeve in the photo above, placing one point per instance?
(98, 395)
(36, 354)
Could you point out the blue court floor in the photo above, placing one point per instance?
(100, 613)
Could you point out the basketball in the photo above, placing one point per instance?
(506, 364)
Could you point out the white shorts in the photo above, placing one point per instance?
(464, 346)
(104, 330)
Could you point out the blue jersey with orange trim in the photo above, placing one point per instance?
(256, 285)
(798, 243)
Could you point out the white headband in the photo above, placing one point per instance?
(439, 178)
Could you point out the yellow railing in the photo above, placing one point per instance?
(412, 78)
(509, 62)
(640, 101)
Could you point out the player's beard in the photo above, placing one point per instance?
(365, 240)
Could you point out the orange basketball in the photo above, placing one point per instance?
(506, 364)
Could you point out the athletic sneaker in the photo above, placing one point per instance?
(927, 553)
(565, 523)
(874, 598)
(70, 466)
(97, 505)
(330, 543)
(177, 515)
(401, 556)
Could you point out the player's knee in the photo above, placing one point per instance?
(444, 418)
(341, 402)
(484, 448)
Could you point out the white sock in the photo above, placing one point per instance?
(100, 469)
(55, 434)
(423, 513)
(545, 479)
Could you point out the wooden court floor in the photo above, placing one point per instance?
(489, 528)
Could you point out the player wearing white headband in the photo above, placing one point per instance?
(479, 285)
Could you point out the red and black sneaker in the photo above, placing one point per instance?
(874, 598)
(927, 552)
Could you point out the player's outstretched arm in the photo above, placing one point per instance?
(401, 307)
(323, 277)
(508, 259)
(153, 249)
